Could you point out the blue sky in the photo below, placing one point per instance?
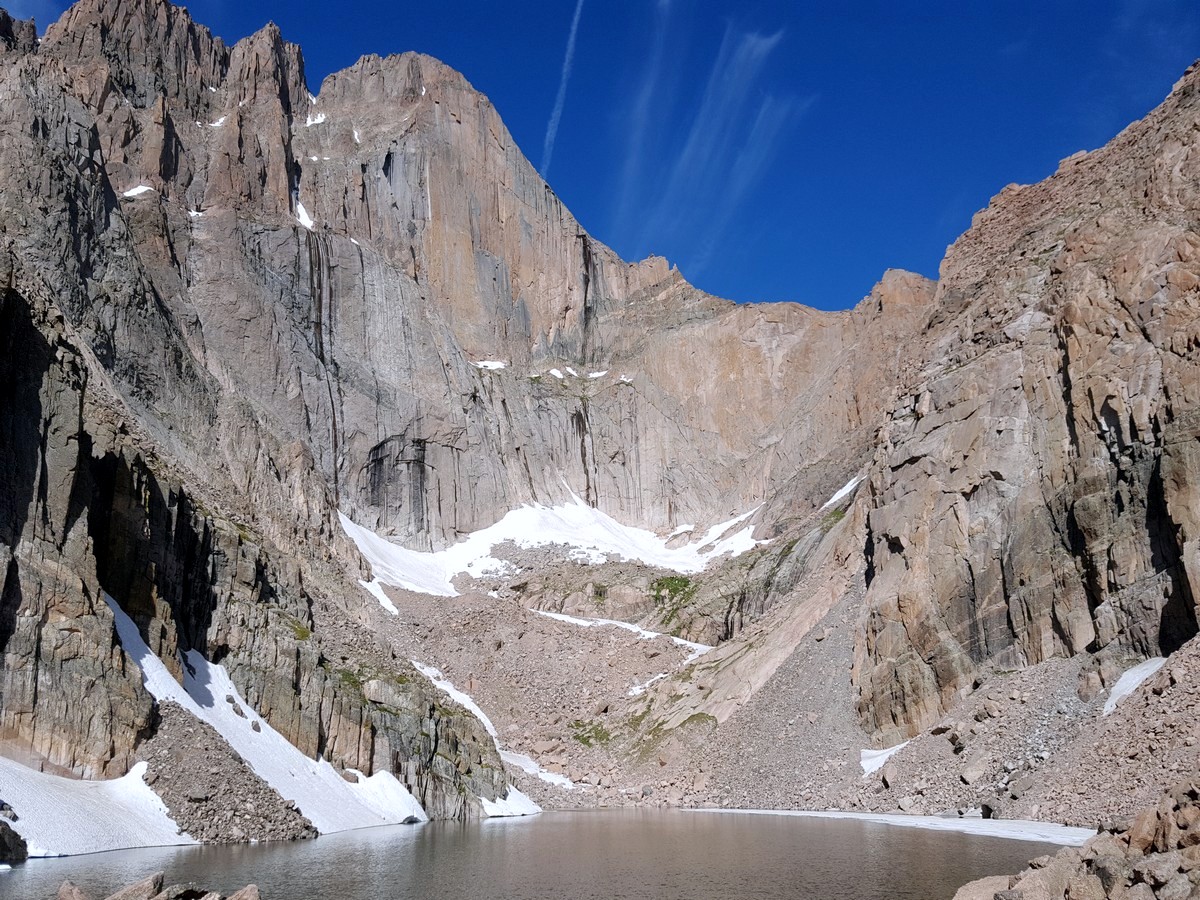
(773, 150)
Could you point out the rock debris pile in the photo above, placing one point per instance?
(1154, 856)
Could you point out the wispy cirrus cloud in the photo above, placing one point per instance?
(649, 90)
(723, 143)
(561, 99)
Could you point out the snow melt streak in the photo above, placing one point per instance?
(520, 760)
(329, 801)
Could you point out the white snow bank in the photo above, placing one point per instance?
(195, 213)
(1130, 680)
(1016, 829)
(557, 374)
(516, 804)
(357, 138)
(303, 217)
(842, 491)
(329, 801)
(489, 364)
(697, 649)
(138, 191)
(572, 372)
(529, 766)
(314, 120)
(597, 374)
(218, 123)
(64, 817)
(874, 760)
(593, 535)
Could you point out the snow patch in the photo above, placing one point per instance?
(638, 689)
(530, 767)
(1131, 680)
(572, 372)
(329, 801)
(1016, 829)
(625, 379)
(63, 817)
(597, 374)
(489, 364)
(513, 804)
(842, 491)
(375, 589)
(218, 123)
(355, 243)
(874, 760)
(698, 650)
(211, 89)
(314, 120)
(593, 535)
(357, 139)
(138, 191)
(557, 374)
(303, 217)
(498, 807)
(195, 213)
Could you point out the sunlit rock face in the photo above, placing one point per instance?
(1035, 492)
(232, 309)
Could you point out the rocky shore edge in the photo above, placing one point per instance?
(1153, 856)
(151, 888)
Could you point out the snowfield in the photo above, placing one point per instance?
(64, 817)
(329, 801)
(593, 536)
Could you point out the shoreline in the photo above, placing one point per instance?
(1011, 829)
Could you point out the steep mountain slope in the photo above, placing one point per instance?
(232, 310)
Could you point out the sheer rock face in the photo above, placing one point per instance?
(1036, 492)
(232, 309)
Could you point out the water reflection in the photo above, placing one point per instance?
(626, 855)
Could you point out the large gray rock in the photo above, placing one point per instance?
(12, 845)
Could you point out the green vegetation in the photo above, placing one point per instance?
(671, 594)
(832, 518)
(299, 629)
(590, 733)
(351, 679)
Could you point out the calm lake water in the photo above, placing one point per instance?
(615, 855)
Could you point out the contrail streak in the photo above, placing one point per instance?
(561, 99)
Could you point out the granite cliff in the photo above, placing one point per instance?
(231, 310)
